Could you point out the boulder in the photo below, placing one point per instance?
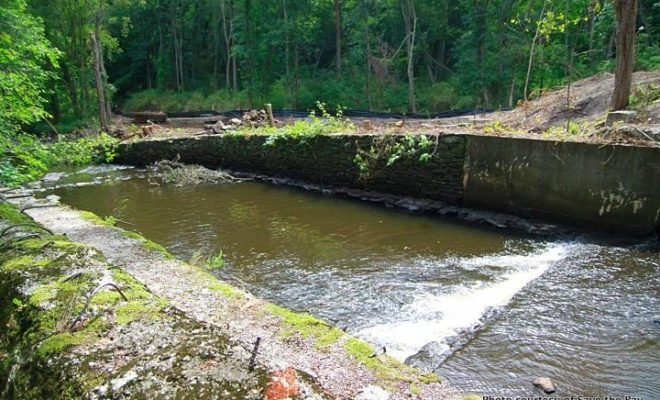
(622, 116)
(373, 393)
(545, 384)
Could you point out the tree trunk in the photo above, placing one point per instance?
(227, 31)
(531, 50)
(103, 117)
(410, 21)
(626, 17)
(367, 51)
(338, 35)
(104, 73)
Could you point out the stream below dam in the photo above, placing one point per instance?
(487, 309)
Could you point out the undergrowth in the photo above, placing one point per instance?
(26, 157)
(317, 123)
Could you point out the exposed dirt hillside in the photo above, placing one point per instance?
(586, 99)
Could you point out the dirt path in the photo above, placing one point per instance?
(341, 366)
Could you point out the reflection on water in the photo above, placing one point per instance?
(584, 314)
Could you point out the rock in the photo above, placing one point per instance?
(282, 385)
(620, 116)
(429, 356)
(236, 121)
(53, 176)
(373, 393)
(545, 384)
(218, 127)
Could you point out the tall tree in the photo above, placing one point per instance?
(26, 56)
(626, 17)
(410, 20)
(338, 35)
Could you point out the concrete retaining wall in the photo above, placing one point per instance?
(613, 188)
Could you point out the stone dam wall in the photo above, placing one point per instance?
(611, 188)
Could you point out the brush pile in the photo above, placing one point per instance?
(178, 174)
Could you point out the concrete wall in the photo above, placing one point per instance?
(611, 188)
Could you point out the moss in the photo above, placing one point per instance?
(134, 290)
(415, 390)
(472, 396)
(59, 342)
(56, 241)
(134, 310)
(226, 289)
(429, 377)
(93, 218)
(307, 325)
(25, 262)
(148, 244)
(386, 368)
(11, 214)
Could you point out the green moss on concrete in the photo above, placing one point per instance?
(148, 244)
(472, 396)
(12, 214)
(385, 367)
(134, 310)
(24, 262)
(307, 326)
(91, 217)
(59, 342)
(225, 289)
(55, 241)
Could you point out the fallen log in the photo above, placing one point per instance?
(144, 117)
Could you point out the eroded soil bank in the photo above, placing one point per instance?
(95, 312)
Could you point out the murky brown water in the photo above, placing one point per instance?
(510, 307)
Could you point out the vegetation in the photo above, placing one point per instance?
(216, 261)
(400, 55)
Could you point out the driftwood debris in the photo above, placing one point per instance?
(180, 174)
(250, 119)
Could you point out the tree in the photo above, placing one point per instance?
(410, 21)
(626, 17)
(26, 57)
(338, 35)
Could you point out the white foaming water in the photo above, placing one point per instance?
(433, 318)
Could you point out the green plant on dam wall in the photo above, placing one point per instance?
(387, 150)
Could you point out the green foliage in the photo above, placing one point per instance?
(322, 124)
(644, 96)
(28, 158)
(25, 56)
(387, 150)
(216, 261)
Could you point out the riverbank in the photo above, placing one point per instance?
(125, 352)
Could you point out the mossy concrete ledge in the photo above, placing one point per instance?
(611, 188)
(174, 331)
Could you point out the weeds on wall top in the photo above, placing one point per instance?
(319, 122)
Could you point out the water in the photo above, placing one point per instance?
(501, 308)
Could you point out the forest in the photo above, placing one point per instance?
(415, 56)
(399, 55)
